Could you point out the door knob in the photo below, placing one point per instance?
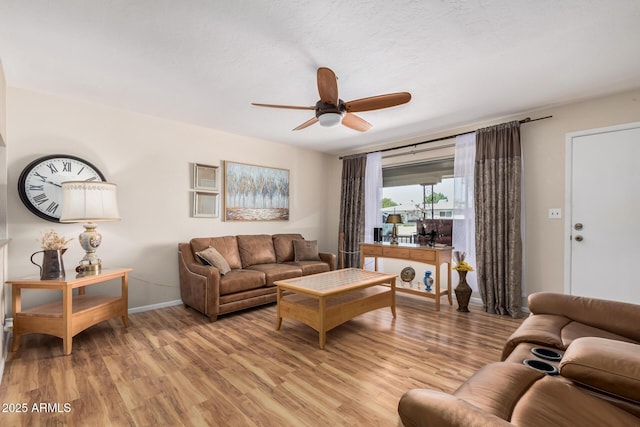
(578, 226)
(579, 238)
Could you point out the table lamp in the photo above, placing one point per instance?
(89, 202)
(394, 219)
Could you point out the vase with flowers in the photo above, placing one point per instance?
(53, 247)
(463, 290)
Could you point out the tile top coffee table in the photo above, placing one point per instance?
(326, 300)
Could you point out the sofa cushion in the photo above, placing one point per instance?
(275, 272)
(226, 245)
(283, 245)
(211, 256)
(575, 330)
(256, 249)
(241, 280)
(589, 311)
(609, 365)
(306, 250)
(311, 267)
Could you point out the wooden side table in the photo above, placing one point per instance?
(71, 315)
(412, 252)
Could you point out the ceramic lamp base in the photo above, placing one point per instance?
(90, 240)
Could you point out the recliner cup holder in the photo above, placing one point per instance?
(546, 354)
(541, 366)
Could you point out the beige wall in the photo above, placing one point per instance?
(544, 175)
(3, 107)
(149, 159)
(3, 155)
(3, 215)
(544, 145)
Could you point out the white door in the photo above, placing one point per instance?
(603, 213)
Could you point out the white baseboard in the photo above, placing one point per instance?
(155, 306)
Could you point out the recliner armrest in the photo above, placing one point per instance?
(429, 408)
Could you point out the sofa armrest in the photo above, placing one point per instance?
(330, 259)
(606, 365)
(199, 283)
(614, 316)
(427, 408)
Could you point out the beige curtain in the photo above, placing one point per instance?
(352, 211)
(498, 174)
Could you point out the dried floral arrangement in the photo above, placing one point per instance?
(461, 264)
(53, 241)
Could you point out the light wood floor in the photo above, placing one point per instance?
(173, 367)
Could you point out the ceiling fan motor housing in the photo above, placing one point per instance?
(325, 107)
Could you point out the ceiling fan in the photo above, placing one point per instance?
(331, 110)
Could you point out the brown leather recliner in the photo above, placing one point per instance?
(597, 381)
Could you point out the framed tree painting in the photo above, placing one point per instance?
(255, 193)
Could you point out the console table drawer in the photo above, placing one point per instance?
(371, 250)
(396, 252)
(424, 256)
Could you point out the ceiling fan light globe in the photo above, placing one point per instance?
(330, 119)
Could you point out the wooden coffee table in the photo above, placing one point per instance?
(326, 300)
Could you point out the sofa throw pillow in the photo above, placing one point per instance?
(211, 256)
(306, 250)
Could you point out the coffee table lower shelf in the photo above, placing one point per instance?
(325, 313)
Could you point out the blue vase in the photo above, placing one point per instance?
(428, 281)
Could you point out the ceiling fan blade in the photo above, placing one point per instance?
(307, 123)
(354, 122)
(290, 107)
(327, 86)
(378, 102)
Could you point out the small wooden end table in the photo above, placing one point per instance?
(73, 314)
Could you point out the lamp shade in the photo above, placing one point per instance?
(330, 119)
(89, 201)
(394, 219)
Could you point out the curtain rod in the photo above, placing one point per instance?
(415, 144)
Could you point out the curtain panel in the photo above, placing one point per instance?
(352, 208)
(464, 217)
(498, 174)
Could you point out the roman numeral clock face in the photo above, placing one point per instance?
(40, 182)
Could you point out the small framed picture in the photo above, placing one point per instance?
(205, 177)
(205, 205)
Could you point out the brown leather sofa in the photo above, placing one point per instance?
(252, 263)
(593, 381)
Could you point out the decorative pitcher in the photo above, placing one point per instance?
(52, 267)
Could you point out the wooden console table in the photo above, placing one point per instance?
(71, 315)
(412, 252)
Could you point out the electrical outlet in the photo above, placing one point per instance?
(555, 213)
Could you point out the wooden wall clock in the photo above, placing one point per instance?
(39, 185)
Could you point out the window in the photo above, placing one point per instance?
(422, 193)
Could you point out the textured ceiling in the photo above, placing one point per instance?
(204, 62)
